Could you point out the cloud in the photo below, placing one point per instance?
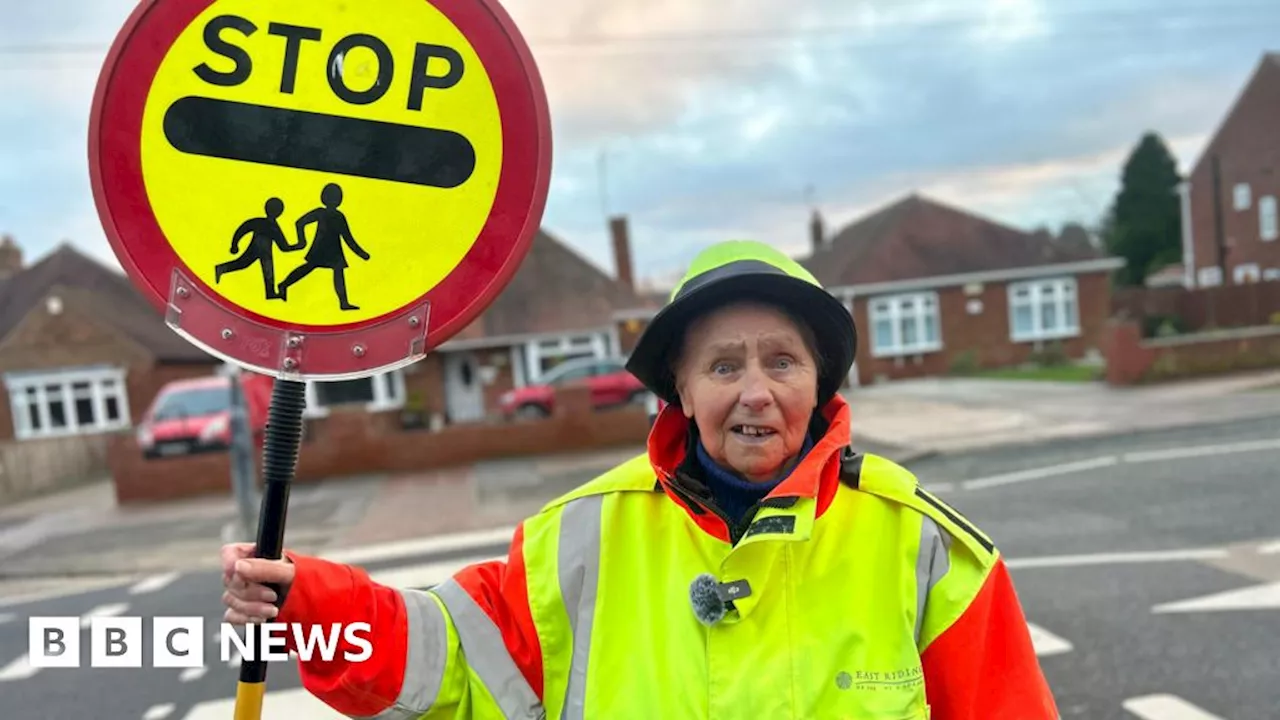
(713, 119)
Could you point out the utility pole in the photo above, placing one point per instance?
(1219, 244)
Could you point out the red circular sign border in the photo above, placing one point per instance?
(115, 166)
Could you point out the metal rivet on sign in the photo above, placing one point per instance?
(226, 333)
(295, 342)
(414, 321)
(290, 363)
(358, 351)
(183, 292)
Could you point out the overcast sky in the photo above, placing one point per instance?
(716, 118)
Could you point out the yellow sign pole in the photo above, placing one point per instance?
(279, 461)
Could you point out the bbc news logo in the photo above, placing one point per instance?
(179, 642)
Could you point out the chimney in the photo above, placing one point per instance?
(10, 257)
(622, 251)
(817, 233)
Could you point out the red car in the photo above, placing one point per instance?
(611, 385)
(191, 416)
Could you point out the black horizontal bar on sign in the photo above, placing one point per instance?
(314, 141)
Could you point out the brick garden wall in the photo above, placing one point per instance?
(359, 443)
(1132, 360)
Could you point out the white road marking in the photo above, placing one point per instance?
(159, 712)
(110, 610)
(1122, 558)
(19, 669)
(67, 588)
(1257, 597)
(1202, 451)
(1145, 456)
(154, 583)
(295, 704)
(1040, 473)
(937, 488)
(1270, 548)
(424, 575)
(192, 674)
(1046, 643)
(1166, 707)
(424, 546)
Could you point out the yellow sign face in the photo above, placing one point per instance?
(389, 172)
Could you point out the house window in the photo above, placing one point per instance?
(1271, 274)
(1043, 309)
(905, 324)
(384, 391)
(70, 402)
(1209, 276)
(1268, 226)
(548, 353)
(1242, 196)
(1247, 273)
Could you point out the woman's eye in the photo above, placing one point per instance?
(721, 368)
(784, 363)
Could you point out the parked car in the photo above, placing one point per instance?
(194, 416)
(611, 386)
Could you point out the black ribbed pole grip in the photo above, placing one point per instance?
(279, 461)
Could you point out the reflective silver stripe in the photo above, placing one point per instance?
(488, 656)
(427, 654)
(932, 563)
(579, 569)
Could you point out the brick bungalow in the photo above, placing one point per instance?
(557, 307)
(933, 289)
(81, 352)
(1231, 229)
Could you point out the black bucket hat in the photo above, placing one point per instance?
(746, 270)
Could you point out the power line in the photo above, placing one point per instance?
(1212, 17)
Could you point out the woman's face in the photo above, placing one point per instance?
(749, 382)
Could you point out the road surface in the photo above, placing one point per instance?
(1149, 568)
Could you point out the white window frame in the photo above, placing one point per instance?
(388, 394)
(1242, 196)
(1062, 289)
(1268, 223)
(593, 345)
(1209, 276)
(1247, 273)
(897, 308)
(104, 383)
(1271, 274)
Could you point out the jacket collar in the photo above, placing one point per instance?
(817, 476)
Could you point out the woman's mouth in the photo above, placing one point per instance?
(753, 433)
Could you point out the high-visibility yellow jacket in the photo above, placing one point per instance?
(852, 593)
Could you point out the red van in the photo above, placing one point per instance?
(193, 416)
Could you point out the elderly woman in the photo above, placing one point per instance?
(750, 565)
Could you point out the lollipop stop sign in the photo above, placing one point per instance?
(317, 189)
(320, 189)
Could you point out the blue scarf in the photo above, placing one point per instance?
(734, 495)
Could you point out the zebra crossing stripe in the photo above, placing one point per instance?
(1046, 643)
(1166, 707)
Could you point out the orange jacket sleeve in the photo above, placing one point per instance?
(325, 592)
(984, 667)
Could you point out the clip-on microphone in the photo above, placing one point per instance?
(712, 599)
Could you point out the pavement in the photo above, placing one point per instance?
(954, 414)
(1148, 565)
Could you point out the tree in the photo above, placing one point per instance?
(1144, 225)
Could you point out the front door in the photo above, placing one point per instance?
(464, 392)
